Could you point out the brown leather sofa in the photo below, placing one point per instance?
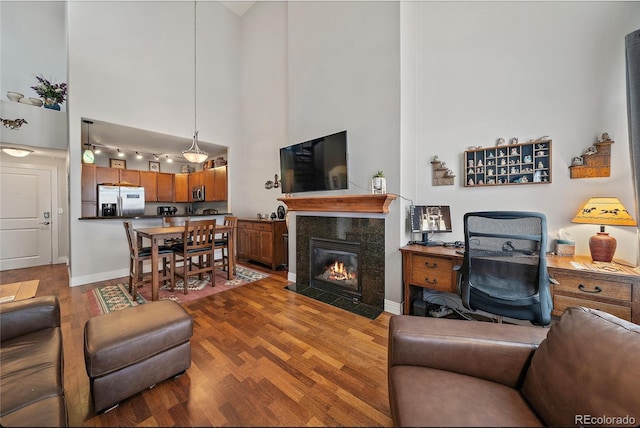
(31, 364)
(583, 370)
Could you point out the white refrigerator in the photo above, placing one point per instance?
(120, 201)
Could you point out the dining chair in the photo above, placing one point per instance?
(195, 251)
(139, 254)
(221, 243)
(170, 222)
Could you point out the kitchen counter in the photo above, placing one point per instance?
(138, 217)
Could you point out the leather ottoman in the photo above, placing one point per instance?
(128, 351)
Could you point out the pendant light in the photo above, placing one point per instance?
(88, 155)
(194, 154)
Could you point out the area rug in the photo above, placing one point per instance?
(116, 297)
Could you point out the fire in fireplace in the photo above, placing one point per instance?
(334, 266)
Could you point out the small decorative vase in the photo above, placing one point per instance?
(54, 106)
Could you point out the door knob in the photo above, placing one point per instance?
(46, 223)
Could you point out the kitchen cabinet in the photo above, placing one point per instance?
(262, 241)
(149, 180)
(165, 187)
(116, 175)
(215, 184)
(182, 192)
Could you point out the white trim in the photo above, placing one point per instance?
(102, 276)
(291, 276)
(392, 307)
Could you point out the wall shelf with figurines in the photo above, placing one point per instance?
(513, 163)
(595, 161)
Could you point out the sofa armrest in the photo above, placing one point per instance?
(29, 315)
(496, 352)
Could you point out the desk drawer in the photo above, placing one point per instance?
(560, 303)
(592, 287)
(432, 272)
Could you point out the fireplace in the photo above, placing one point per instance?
(358, 241)
(334, 266)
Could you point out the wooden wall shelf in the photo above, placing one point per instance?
(341, 203)
(597, 164)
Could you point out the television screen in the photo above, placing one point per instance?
(319, 164)
(430, 218)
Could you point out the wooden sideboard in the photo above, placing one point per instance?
(610, 288)
(262, 241)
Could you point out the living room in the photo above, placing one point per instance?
(407, 80)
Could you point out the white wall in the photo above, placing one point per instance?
(344, 73)
(525, 69)
(132, 63)
(264, 108)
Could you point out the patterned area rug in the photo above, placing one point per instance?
(116, 297)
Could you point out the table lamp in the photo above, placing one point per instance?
(603, 211)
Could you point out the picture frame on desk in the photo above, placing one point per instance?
(118, 163)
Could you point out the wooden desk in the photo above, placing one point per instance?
(616, 291)
(157, 235)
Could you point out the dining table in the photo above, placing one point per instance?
(157, 236)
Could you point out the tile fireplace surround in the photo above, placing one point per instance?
(369, 232)
(353, 227)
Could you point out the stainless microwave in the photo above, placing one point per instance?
(198, 193)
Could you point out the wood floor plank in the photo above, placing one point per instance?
(261, 356)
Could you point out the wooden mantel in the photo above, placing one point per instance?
(341, 203)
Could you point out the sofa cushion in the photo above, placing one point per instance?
(50, 412)
(31, 369)
(430, 397)
(586, 368)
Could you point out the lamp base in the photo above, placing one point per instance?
(602, 247)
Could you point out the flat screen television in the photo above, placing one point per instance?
(427, 219)
(319, 164)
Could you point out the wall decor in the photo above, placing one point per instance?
(13, 123)
(442, 176)
(595, 161)
(522, 163)
(118, 163)
(154, 166)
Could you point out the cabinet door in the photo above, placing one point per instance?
(89, 186)
(210, 184)
(220, 188)
(244, 246)
(165, 187)
(130, 176)
(265, 247)
(149, 180)
(107, 175)
(181, 186)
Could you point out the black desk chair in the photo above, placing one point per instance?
(504, 269)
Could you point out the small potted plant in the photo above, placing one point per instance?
(378, 183)
(53, 94)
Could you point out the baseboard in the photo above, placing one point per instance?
(392, 307)
(102, 276)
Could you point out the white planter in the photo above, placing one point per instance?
(378, 185)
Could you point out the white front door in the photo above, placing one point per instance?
(25, 217)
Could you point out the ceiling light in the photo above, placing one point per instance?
(155, 157)
(97, 150)
(138, 155)
(19, 153)
(88, 155)
(120, 154)
(169, 159)
(194, 154)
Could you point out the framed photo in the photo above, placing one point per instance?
(118, 163)
(154, 166)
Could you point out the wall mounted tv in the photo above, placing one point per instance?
(319, 164)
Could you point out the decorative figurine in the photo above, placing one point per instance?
(470, 163)
(540, 165)
(479, 162)
(527, 159)
(514, 151)
(513, 140)
(471, 182)
(501, 142)
(604, 137)
(591, 150)
(578, 160)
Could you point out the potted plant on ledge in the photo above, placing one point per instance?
(53, 94)
(378, 183)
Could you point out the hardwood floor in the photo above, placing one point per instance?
(261, 356)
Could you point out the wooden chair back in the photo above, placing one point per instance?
(198, 235)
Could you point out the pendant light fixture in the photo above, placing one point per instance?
(194, 154)
(88, 155)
